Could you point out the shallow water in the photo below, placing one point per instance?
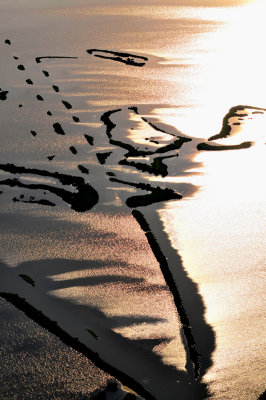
(97, 267)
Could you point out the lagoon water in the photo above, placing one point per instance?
(94, 270)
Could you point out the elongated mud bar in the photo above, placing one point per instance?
(126, 58)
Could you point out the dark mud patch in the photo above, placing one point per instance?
(83, 169)
(21, 67)
(156, 194)
(73, 149)
(29, 81)
(89, 139)
(209, 147)
(56, 88)
(39, 59)
(45, 73)
(125, 58)
(43, 202)
(39, 97)
(3, 94)
(156, 168)
(67, 104)
(7, 41)
(102, 157)
(83, 199)
(27, 279)
(58, 128)
(75, 119)
(34, 133)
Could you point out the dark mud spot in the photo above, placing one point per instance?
(73, 150)
(39, 97)
(3, 94)
(103, 156)
(49, 113)
(39, 59)
(58, 128)
(34, 133)
(83, 199)
(7, 41)
(29, 82)
(75, 119)
(20, 105)
(27, 279)
(89, 139)
(56, 88)
(83, 169)
(67, 104)
(209, 147)
(15, 57)
(125, 58)
(21, 67)
(50, 158)
(45, 73)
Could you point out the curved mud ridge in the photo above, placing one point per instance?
(82, 200)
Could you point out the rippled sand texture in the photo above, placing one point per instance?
(131, 191)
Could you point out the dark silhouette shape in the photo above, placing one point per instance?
(39, 59)
(102, 157)
(29, 82)
(73, 150)
(233, 112)
(56, 88)
(125, 58)
(89, 139)
(7, 41)
(3, 94)
(82, 200)
(67, 104)
(21, 67)
(58, 128)
(83, 169)
(208, 147)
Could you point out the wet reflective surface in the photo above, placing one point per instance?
(132, 195)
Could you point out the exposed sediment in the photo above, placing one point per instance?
(234, 112)
(125, 58)
(221, 147)
(83, 199)
(39, 59)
